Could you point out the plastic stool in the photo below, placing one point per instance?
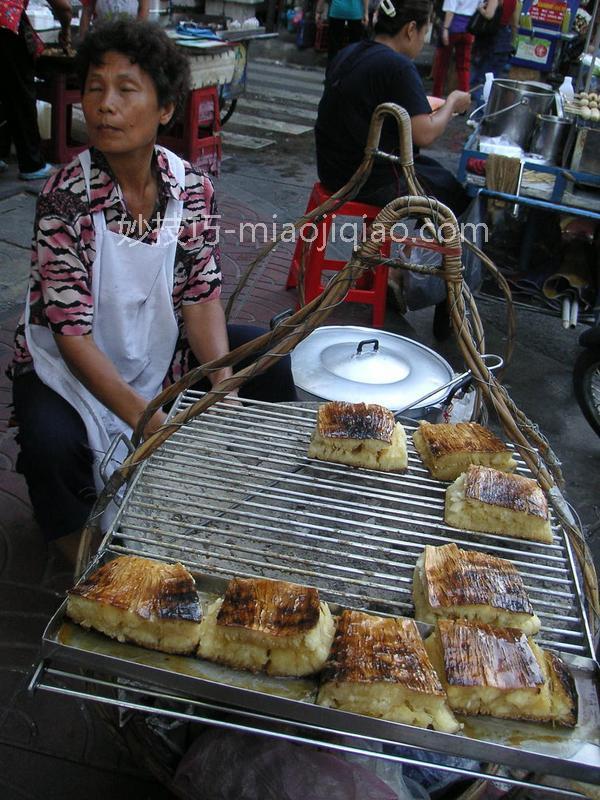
(59, 149)
(200, 130)
(370, 289)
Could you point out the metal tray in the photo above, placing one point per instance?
(233, 493)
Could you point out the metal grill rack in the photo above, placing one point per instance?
(249, 502)
(233, 493)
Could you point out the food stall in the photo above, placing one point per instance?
(544, 27)
(218, 62)
(535, 151)
(241, 494)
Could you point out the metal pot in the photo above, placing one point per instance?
(346, 362)
(549, 137)
(512, 109)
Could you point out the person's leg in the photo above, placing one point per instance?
(356, 31)
(382, 195)
(276, 385)
(17, 92)
(500, 52)
(480, 64)
(463, 44)
(441, 62)
(335, 37)
(5, 139)
(54, 457)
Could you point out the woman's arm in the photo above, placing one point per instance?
(99, 375)
(448, 17)
(206, 331)
(514, 21)
(426, 128)
(64, 13)
(488, 9)
(86, 17)
(143, 9)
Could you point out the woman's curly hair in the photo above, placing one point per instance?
(146, 44)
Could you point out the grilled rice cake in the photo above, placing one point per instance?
(139, 600)
(448, 450)
(485, 499)
(272, 626)
(359, 435)
(379, 667)
(499, 672)
(465, 584)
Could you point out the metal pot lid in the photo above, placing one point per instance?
(347, 362)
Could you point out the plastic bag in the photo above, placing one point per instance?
(416, 290)
(221, 765)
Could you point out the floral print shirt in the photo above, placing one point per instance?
(63, 249)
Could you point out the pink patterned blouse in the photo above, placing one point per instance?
(63, 249)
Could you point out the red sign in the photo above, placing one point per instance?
(548, 12)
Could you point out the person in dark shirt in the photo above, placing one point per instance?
(366, 74)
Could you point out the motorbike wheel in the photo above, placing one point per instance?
(586, 383)
(227, 107)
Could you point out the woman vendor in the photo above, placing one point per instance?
(125, 280)
(362, 77)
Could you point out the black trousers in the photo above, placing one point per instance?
(54, 454)
(17, 93)
(436, 180)
(342, 32)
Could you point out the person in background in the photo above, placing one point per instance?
(97, 10)
(492, 54)
(362, 77)
(348, 20)
(125, 283)
(454, 41)
(19, 47)
(5, 140)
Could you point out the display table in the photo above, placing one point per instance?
(543, 188)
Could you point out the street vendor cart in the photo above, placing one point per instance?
(536, 147)
(218, 66)
(233, 494)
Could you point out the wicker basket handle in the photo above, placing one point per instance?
(402, 118)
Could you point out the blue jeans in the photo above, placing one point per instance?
(490, 55)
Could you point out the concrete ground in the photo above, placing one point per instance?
(57, 749)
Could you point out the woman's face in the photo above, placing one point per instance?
(121, 106)
(415, 38)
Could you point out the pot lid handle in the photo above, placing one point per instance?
(374, 342)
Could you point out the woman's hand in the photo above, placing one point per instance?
(459, 101)
(446, 37)
(156, 420)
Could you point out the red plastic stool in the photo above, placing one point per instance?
(55, 89)
(372, 289)
(200, 132)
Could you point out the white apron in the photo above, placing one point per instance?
(134, 322)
